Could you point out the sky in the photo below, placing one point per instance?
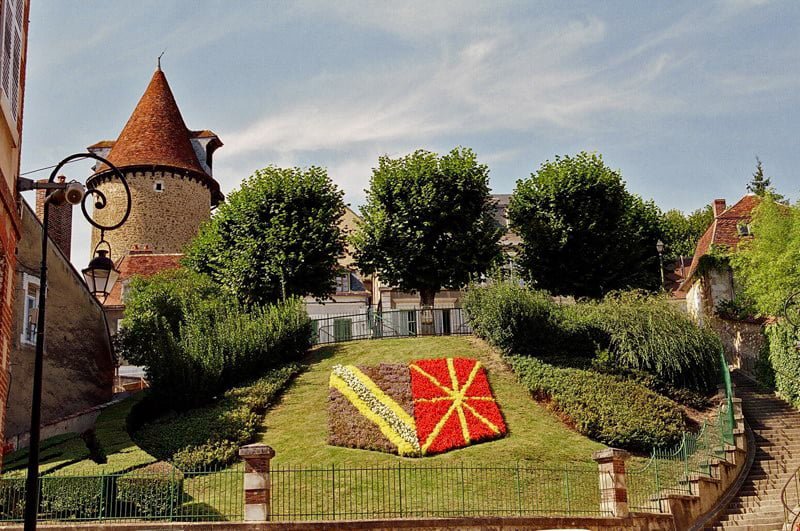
(679, 96)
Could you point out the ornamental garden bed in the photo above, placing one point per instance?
(417, 409)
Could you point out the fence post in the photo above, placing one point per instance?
(613, 486)
(256, 481)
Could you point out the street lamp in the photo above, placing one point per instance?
(660, 249)
(100, 276)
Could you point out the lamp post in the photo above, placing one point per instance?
(660, 249)
(791, 311)
(100, 275)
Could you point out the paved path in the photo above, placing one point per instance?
(776, 426)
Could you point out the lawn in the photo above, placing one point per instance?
(297, 428)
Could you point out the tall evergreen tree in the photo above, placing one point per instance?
(759, 184)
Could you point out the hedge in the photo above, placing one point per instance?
(151, 491)
(523, 321)
(611, 410)
(210, 435)
(78, 497)
(195, 343)
(785, 359)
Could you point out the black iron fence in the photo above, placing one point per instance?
(370, 324)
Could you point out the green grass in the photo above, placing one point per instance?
(297, 427)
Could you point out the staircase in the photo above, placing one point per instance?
(776, 426)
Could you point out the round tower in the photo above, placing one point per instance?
(168, 169)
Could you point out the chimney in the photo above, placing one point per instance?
(60, 229)
(719, 207)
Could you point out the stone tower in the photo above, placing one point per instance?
(168, 169)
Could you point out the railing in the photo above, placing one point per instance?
(402, 491)
(393, 323)
(790, 498)
(668, 471)
(139, 495)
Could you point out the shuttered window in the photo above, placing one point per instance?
(11, 57)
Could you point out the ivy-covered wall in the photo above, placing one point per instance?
(784, 357)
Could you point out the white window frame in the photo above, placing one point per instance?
(158, 186)
(349, 282)
(27, 280)
(11, 47)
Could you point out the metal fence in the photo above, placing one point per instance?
(394, 323)
(172, 495)
(668, 471)
(330, 493)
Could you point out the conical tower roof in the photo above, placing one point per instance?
(155, 133)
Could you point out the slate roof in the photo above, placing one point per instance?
(722, 233)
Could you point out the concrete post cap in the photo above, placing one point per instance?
(256, 450)
(609, 454)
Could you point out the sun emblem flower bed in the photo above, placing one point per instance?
(424, 408)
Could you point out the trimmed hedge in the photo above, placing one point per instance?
(606, 408)
(151, 491)
(78, 497)
(211, 435)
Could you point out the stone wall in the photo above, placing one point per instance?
(165, 220)
(742, 340)
(79, 368)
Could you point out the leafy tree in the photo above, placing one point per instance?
(428, 222)
(277, 236)
(767, 265)
(583, 233)
(682, 231)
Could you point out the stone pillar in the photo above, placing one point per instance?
(256, 481)
(613, 487)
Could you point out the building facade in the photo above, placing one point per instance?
(13, 51)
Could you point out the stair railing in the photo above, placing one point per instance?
(790, 498)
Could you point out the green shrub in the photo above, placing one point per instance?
(648, 333)
(609, 409)
(67, 497)
(211, 454)
(209, 435)
(150, 491)
(12, 498)
(763, 370)
(785, 360)
(515, 318)
(195, 343)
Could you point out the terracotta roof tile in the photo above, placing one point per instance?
(723, 232)
(103, 144)
(140, 264)
(155, 133)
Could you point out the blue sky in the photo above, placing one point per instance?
(680, 96)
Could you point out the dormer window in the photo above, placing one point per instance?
(158, 186)
(744, 229)
(343, 282)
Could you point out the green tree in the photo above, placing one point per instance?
(428, 222)
(277, 236)
(583, 233)
(767, 266)
(681, 231)
(759, 184)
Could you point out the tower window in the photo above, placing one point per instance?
(158, 186)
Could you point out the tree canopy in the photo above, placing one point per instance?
(767, 266)
(681, 231)
(277, 236)
(428, 222)
(583, 233)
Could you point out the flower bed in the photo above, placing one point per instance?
(426, 407)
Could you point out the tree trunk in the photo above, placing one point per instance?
(426, 300)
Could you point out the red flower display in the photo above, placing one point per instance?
(453, 404)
